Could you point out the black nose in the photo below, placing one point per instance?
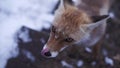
(47, 54)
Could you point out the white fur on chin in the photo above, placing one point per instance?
(54, 54)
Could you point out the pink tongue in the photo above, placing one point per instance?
(44, 51)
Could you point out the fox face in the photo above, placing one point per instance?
(72, 26)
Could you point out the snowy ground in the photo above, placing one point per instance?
(34, 14)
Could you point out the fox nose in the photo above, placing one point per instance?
(46, 53)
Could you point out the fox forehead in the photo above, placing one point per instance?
(69, 21)
(72, 18)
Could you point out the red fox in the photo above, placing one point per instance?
(81, 23)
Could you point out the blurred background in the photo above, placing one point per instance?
(25, 27)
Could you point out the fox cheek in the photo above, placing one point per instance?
(63, 48)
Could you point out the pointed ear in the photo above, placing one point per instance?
(94, 31)
(98, 18)
(64, 4)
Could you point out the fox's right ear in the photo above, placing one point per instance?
(64, 4)
(98, 18)
(94, 31)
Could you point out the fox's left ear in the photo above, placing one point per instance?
(94, 31)
(64, 4)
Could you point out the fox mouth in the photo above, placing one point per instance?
(48, 54)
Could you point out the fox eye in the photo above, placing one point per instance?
(68, 39)
(53, 29)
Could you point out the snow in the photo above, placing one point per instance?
(24, 36)
(104, 51)
(109, 61)
(111, 14)
(34, 14)
(8, 45)
(80, 63)
(29, 55)
(88, 49)
(65, 64)
(93, 63)
(42, 40)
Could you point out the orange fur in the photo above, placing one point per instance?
(71, 22)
